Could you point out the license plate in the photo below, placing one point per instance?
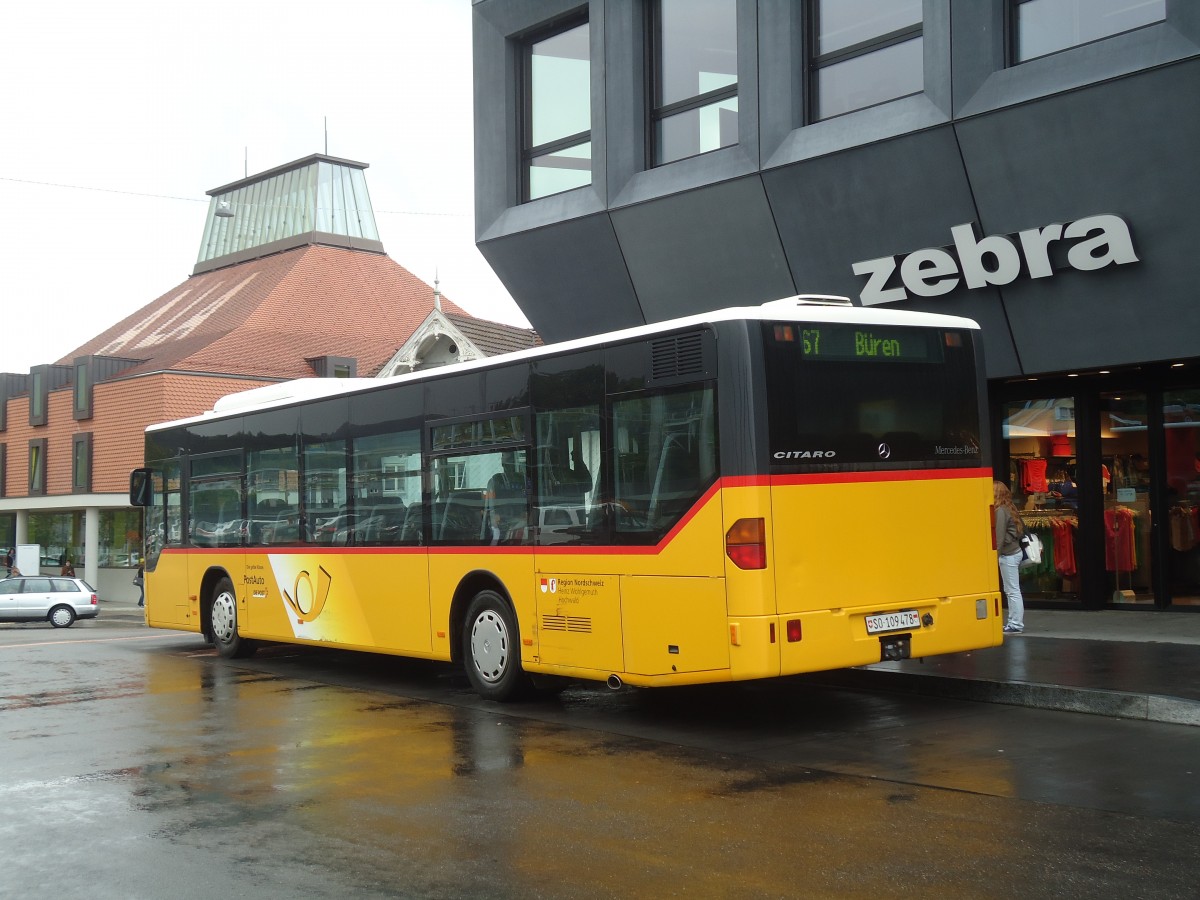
(905, 620)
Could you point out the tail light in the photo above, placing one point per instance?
(95, 600)
(746, 544)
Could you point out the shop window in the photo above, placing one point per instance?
(1041, 440)
(863, 53)
(37, 467)
(1042, 27)
(81, 463)
(694, 107)
(8, 531)
(1125, 449)
(39, 394)
(120, 538)
(60, 535)
(556, 100)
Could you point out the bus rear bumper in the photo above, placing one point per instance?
(838, 639)
(793, 644)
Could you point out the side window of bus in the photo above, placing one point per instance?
(327, 517)
(665, 449)
(273, 496)
(481, 498)
(164, 517)
(173, 502)
(215, 512)
(386, 489)
(567, 510)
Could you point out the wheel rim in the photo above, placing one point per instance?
(61, 617)
(489, 646)
(224, 618)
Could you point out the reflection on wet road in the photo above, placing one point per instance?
(148, 767)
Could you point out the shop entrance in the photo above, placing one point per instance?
(1181, 451)
(1109, 479)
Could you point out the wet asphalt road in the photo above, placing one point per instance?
(137, 764)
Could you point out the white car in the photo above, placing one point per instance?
(47, 598)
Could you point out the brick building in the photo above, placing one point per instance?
(291, 282)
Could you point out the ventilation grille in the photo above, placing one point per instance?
(677, 356)
(577, 624)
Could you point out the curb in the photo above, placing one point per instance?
(1113, 704)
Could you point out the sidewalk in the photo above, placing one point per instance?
(1131, 664)
(125, 610)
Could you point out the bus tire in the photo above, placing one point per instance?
(223, 615)
(492, 649)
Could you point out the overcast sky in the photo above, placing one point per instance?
(119, 115)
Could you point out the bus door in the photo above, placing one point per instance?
(217, 528)
(577, 592)
(165, 578)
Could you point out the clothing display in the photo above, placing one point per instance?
(1064, 549)
(1120, 546)
(1057, 534)
(1033, 475)
(1185, 527)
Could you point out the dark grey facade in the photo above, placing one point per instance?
(1106, 128)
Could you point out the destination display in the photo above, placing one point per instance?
(860, 343)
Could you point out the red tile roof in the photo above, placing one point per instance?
(265, 317)
(494, 338)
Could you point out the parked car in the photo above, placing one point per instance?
(60, 601)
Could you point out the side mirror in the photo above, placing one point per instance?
(141, 488)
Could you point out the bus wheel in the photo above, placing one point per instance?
(224, 623)
(492, 649)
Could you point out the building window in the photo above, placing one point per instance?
(557, 144)
(1041, 27)
(335, 366)
(37, 466)
(695, 78)
(81, 463)
(83, 388)
(7, 389)
(3, 470)
(39, 394)
(863, 53)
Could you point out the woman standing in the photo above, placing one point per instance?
(1008, 541)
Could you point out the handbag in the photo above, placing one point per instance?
(1031, 550)
(137, 580)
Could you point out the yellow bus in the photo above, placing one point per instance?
(749, 493)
